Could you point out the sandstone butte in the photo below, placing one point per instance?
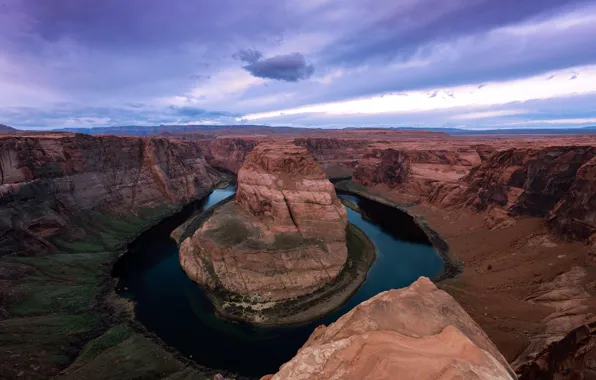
(419, 332)
(281, 238)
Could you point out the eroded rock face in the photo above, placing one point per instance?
(572, 357)
(283, 182)
(228, 153)
(282, 237)
(554, 182)
(418, 332)
(575, 214)
(414, 174)
(49, 179)
(383, 166)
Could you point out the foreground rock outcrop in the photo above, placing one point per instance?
(418, 332)
(282, 238)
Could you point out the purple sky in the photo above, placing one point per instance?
(325, 63)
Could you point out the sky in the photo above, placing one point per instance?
(475, 64)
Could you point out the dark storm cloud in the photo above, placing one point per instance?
(248, 55)
(289, 67)
(139, 24)
(401, 31)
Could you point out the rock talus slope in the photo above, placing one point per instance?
(282, 237)
(418, 332)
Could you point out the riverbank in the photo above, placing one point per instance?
(452, 265)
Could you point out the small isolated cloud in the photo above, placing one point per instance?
(248, 55)
(288, 67)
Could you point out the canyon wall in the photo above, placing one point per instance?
(418, 332)
(553, 182)
(336, 156)
(47, 180)
(415, 173)
(228, 153)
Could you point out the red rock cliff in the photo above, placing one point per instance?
(555, 182)
(47, 179)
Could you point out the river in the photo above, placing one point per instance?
(173, 307)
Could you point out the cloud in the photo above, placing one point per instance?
(488, 114)
(497, 93)
(570, 121)
(108, 55)
(288, 67)
(248, 55)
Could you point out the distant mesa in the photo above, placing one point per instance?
(7, 129)
(279, 245)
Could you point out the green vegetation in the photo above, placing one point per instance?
(54, 305)
(228, 234)
(132, 357)
(109, 339)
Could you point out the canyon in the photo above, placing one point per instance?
(518, 211)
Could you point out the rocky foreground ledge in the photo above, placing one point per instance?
(419, 332)
(277, 251)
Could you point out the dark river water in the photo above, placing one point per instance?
(169, 304)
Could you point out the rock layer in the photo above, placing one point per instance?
(418, 332)
(284, 235)
(553, 182)
(283, 182)
(47, 179)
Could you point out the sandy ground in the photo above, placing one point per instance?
(509, 284)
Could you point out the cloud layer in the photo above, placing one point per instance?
(434, 63)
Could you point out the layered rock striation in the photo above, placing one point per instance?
(553, 182)
(283, 236)
(47, 180)
(415, 174)
(419, 332)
